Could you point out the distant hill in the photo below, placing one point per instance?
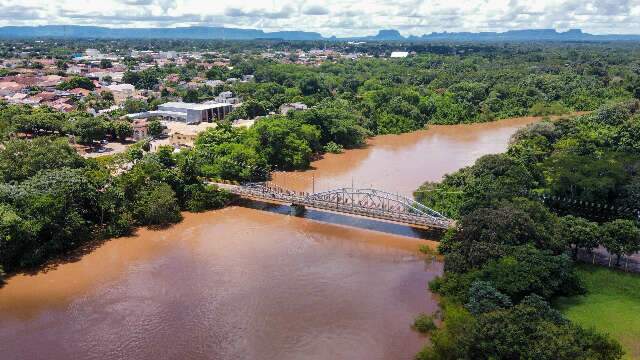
(201, 32)
(95, 32)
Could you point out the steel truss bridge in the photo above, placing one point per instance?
(370, 203)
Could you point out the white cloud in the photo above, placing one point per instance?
(335, 17)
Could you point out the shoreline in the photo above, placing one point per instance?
(371, 142)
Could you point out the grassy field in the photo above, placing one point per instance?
(612, 306)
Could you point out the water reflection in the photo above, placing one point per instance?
(346, 220)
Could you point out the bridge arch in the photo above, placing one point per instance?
(372, 203)
(378, 199)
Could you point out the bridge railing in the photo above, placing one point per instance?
(273, 193)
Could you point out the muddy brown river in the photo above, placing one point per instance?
(244, 283)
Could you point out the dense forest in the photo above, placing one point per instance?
(399, 95)
(511, 252)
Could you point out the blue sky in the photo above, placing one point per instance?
(335, 17)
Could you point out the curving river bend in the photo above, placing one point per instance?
(242, 283)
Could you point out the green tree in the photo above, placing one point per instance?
(107, 96)
(61, 205)
(483, 297)
(122, 129)
(21, 159)
(191, 96)
(105, 64)
(215, 73)
(61, 64)
(578, 233)
(205, 197)
(156, 205)
(233, 161)
(16, 236)
(132, 106)
(621, 237)
(533, 330)
(77, 82)
(89, 128)
(337, 121)
(287, 144)
(526, 270)
(155, 128)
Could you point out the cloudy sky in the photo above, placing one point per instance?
(335, 17)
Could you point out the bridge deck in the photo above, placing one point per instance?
(343, 205)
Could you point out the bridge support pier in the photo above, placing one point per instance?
(297, 210)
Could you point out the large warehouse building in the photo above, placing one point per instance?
(188, 112)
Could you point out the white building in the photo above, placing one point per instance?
(168, 54)
(188, 112)
(227, 97)
(399, 54)
(214, 83)
(93, 53)
(285, 108)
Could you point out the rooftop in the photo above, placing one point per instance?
(191, 106)
(121, 87)
(399, 54)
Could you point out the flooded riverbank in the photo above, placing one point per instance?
(241, 283)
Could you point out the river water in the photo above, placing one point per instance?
(242, 283)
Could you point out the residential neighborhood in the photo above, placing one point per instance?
(139, 86)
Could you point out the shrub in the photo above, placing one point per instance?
(333, 148)
(424, 323)
(202, 198)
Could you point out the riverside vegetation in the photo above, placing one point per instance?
(510, 255)
(53, 200)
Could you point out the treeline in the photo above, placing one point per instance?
(460, 84)
(399, 95)
(84, 127)
(510, 254)
(591, 159)
(53, 201)
(277, 142)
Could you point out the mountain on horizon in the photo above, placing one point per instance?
(222, 33)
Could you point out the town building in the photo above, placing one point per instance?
(214, 83)
(168, 54)
(285, 108)
(80, 92)
(188, 112)
(116, 76)
(399, 54)
(226, 97)
(140, 129)
(93, 53)
(122, 92)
